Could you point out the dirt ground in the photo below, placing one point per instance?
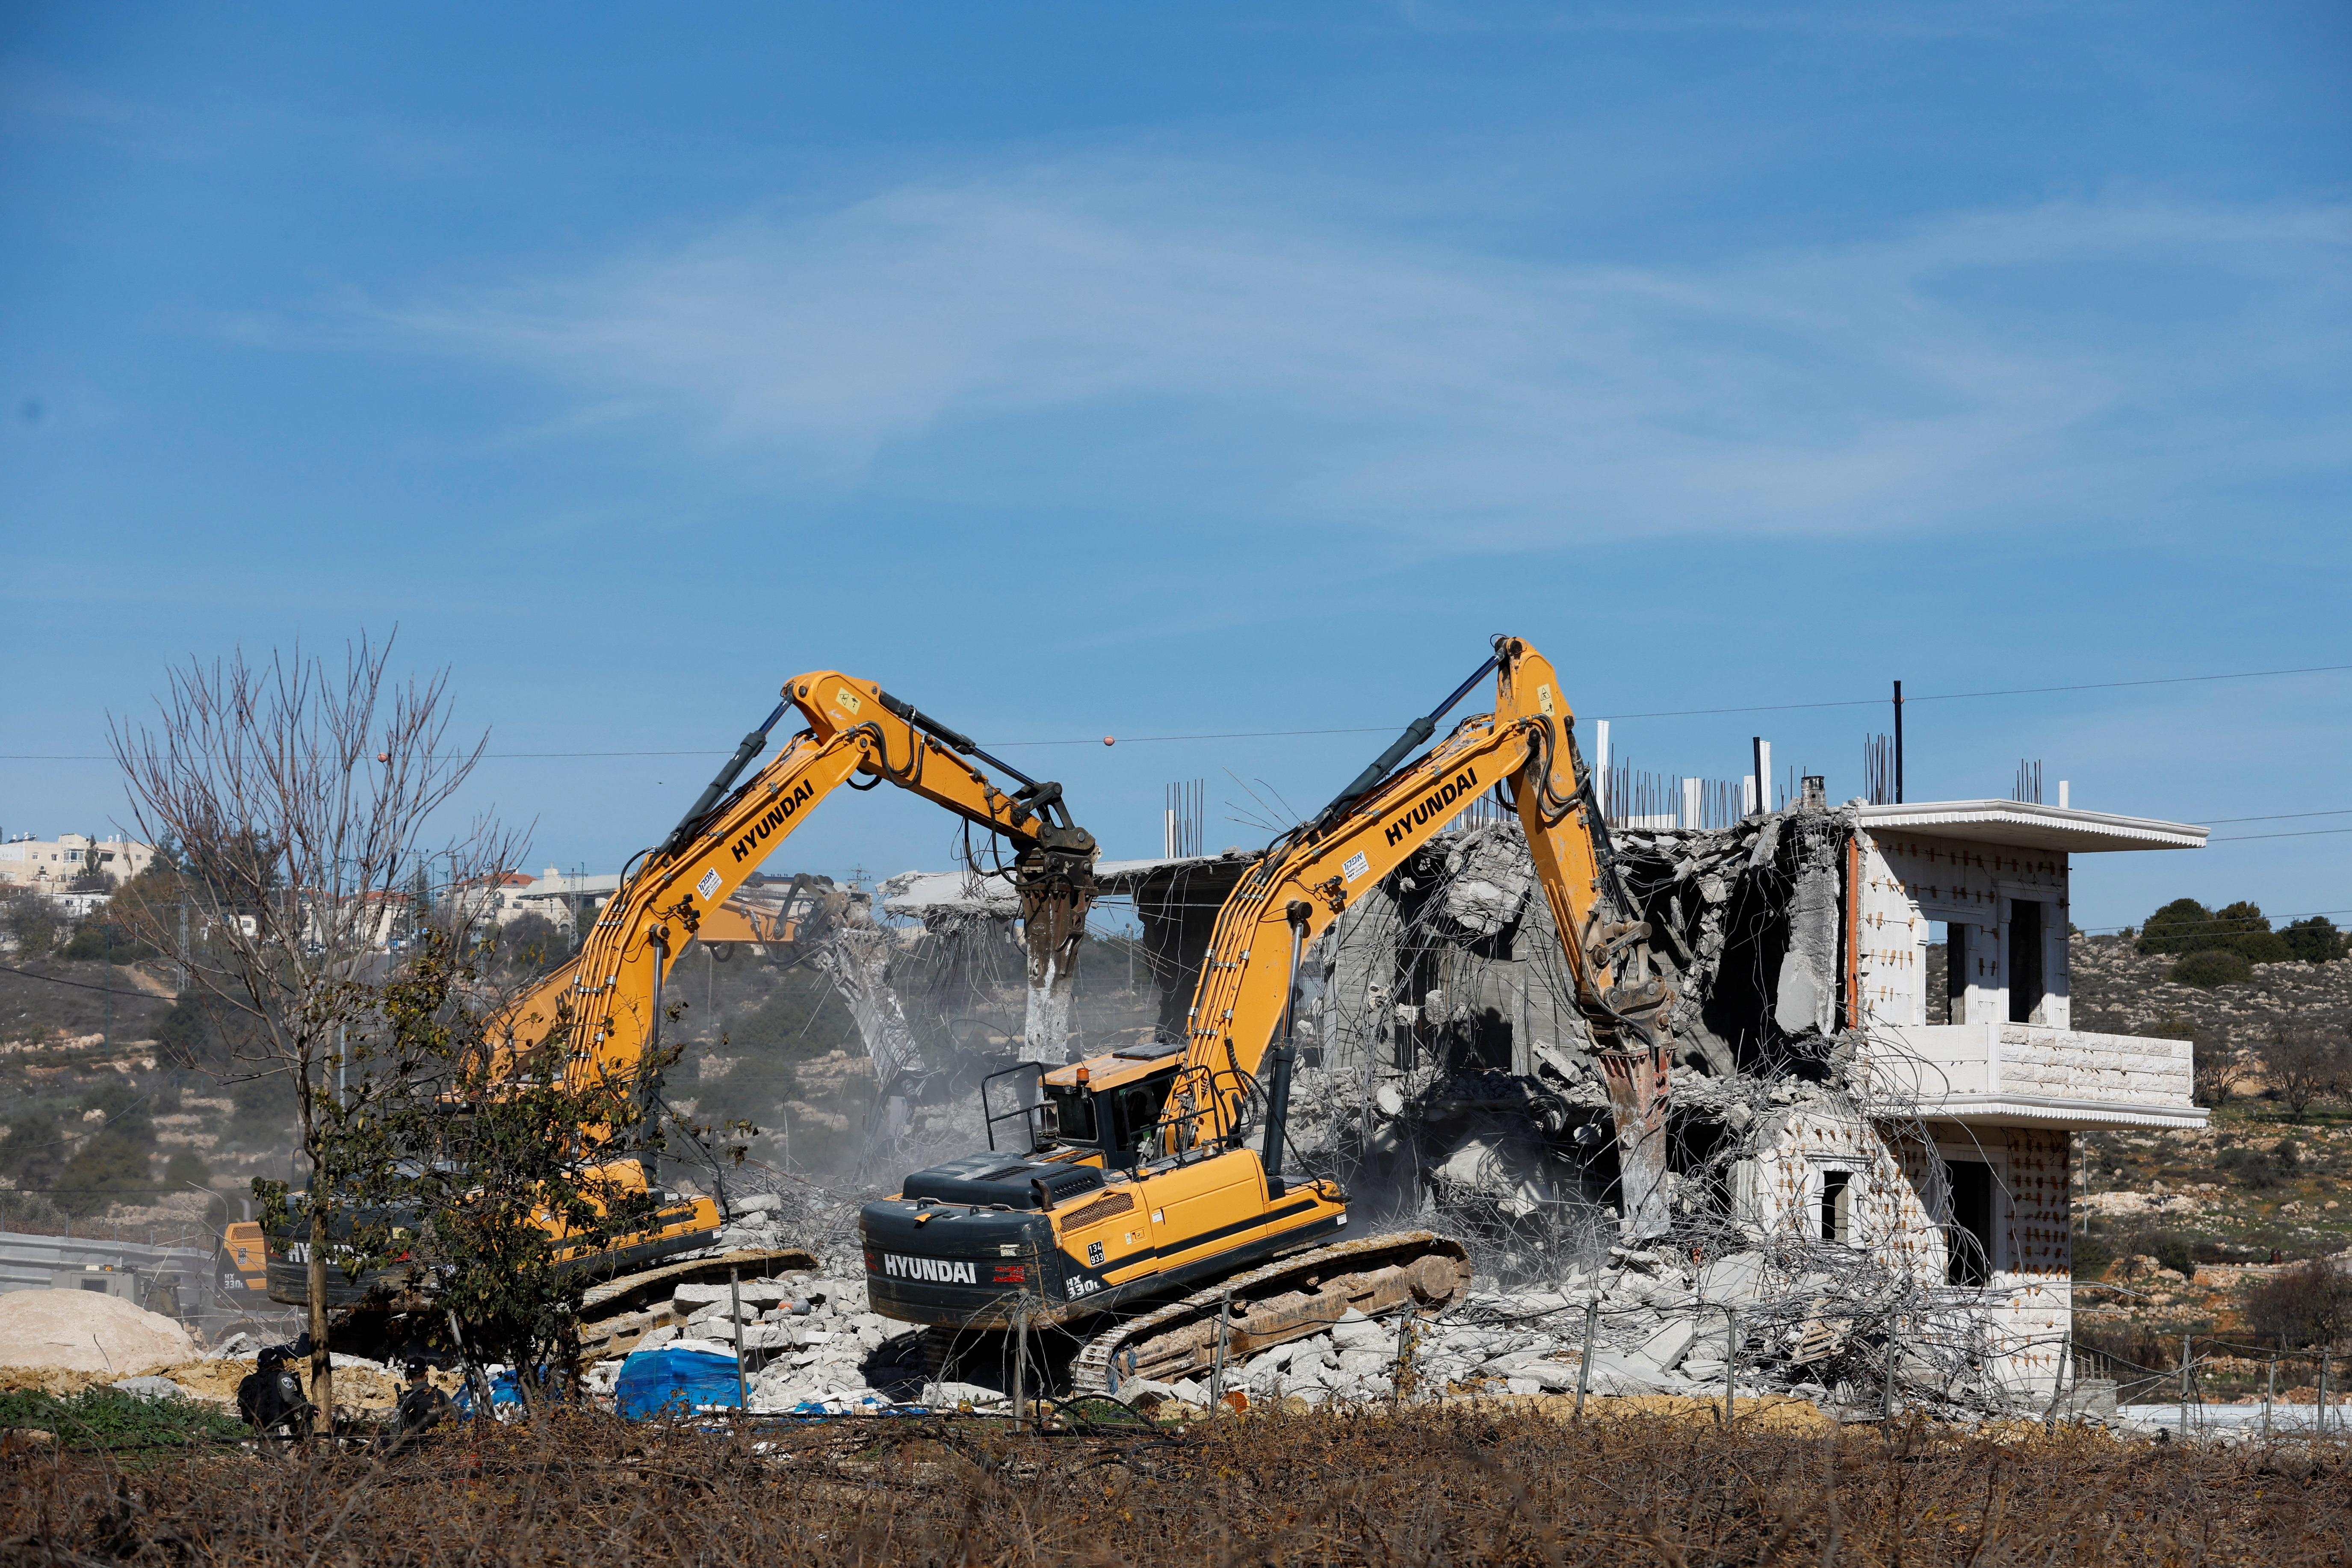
(356, 1388)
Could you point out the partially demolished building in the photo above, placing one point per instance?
(1875, 1087)
(1872, 1104)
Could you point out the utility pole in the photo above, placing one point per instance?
(1898, 742)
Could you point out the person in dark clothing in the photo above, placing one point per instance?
(271, 1397)
(421, 1405)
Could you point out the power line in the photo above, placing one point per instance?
(1383, 729)
(2306, 833)
(2009, 691)
(76, 984)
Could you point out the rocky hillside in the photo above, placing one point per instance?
(2117, 990)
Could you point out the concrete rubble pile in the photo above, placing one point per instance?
(1449, 1076)
(1446, 1080)
(807, 1340)
(1660, 1326)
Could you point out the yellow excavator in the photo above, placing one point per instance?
(609, 995)
(1140, 1219)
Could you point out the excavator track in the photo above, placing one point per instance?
(1287, 1299)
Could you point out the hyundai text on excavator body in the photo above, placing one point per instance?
(1140, 1219)
(608, 995)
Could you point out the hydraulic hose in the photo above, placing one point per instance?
(724, 782)
(1415, 734)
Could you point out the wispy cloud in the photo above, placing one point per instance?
(1103, 333)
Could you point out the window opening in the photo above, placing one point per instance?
(1837, 1207)
(2024, 959)
(1968, 1241)
(1942, 969)
(1070, 1113)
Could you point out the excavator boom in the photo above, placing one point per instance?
(606, 1000)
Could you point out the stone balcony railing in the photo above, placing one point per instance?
(2034, 1073)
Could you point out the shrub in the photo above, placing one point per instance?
(33, 920)
(2249, 1165)
(532, 943)
(109, 1418)
(2091, 1255)
(2310, 1305)
(2177, 1253)
(29, 1208)
(2212, 967)
(105, 941)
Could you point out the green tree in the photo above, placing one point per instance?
(2246, 930)
(33, 921)
(186, 1170)
(2180, 926)
(2185, 926)
(35, 1151)
(104, 939)
(2314, 940)
(530, 943)
(452, 1149)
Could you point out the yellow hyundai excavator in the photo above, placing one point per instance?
(1140, 1219)
(608, 995)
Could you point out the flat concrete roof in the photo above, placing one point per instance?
(1125, 875)
(2027, 825)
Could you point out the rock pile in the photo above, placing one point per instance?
(83, 1330)
(1661, 1326)
(808, 1338)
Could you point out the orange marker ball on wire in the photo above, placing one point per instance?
(1110, 740)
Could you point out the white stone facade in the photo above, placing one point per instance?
(49, 864)
(1899, 1178)
(1912, 880)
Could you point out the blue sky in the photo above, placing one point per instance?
(1079, 371)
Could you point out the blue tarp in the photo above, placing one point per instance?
(667, 1381)
(506, 1396)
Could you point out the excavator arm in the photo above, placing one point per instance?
(609, 995)
(1526, 749)
(608, 998)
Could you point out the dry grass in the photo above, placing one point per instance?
(1454, 1486)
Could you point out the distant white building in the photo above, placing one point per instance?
(557, 895)
(46, 865)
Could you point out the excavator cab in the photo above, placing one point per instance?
(1119, 1120)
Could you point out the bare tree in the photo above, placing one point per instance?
(300, 797)
(2219, 1068)
(2303, 1063)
